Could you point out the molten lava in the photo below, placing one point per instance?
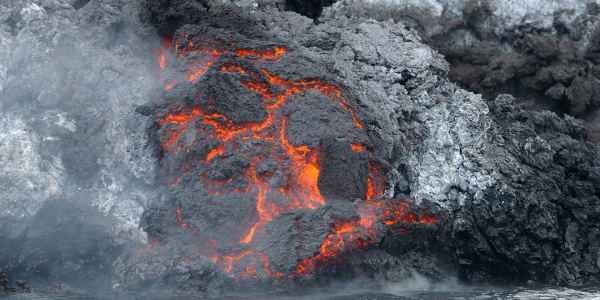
(161, 56)
(348, 236)
(300, 163)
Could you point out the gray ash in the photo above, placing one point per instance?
(547, 57)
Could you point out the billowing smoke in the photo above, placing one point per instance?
(75, 172)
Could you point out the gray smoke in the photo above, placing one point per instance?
(75, 174)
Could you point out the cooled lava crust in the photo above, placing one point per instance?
(272, 176)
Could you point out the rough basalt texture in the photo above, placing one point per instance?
(309, 8)
(544, 53)
(540, 200)
(517, 188)
(515, 193)
(195, 216)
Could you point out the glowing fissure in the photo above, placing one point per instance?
(301, 163)
(161, 56)
(348, 236)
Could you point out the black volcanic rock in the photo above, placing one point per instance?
(448, 184)
(545, 172)
(21, 286)
(533, 50)
(343, 173)
(168, 16)
(495, 193)
(4, 282)
(309, 8)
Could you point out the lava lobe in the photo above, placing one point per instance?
(254, 139)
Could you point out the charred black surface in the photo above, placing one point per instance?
(566, 187)
(309, 8)
(344, 173)
(168, 16)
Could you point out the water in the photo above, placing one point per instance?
(457, 293)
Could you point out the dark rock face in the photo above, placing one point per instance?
(547, 70)
(546, 63)
(21, 286)
(343, 173)
(490, 188)
(309, 8)
(539, 222)
(517, 229)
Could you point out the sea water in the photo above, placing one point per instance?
(400, 293)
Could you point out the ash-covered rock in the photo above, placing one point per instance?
(543, 53)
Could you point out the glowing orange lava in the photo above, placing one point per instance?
(348, 236)
(375, 182)
(300, 164)
(357, 147)
(161, 56)
(153, 243)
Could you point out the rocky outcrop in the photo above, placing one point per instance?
(543, 53)
(502, 182)
(21, 286)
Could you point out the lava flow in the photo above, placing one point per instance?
(291, 180)
(348, 236)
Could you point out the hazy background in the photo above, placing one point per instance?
(74, 173)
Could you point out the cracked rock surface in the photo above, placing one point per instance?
(544, 53)
(515, 192)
